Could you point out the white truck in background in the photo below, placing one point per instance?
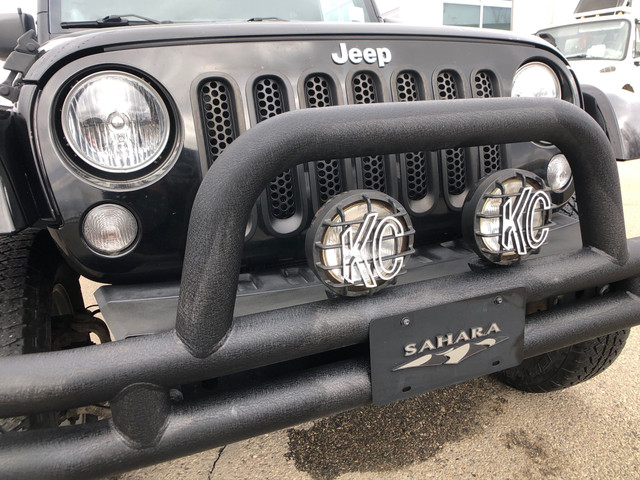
(602, 44)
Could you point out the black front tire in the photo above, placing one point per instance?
(36, 286)
(566, 367)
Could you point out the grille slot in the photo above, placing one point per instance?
(448, 88)
(483, 85)
(269, 101)
(268, 92)
(447, 85)
(407, 87)
(218, 114)
(490, 154)
(454, 159)
(329, 181)
(416, 175)
(365, 90)
(491, 158)
(407, 90)
(317, 89)
(282, 200)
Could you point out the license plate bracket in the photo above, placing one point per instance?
(446, 344)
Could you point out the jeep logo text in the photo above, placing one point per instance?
(381, 56)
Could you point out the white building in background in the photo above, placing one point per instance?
(520, 16)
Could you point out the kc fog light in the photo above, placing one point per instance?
(507, 216)
(558, 173)
(109, 229)
(359, 241)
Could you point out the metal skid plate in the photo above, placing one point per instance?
(444, 345)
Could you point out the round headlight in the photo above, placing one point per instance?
(115, 122)
(109, 229)
(558, 173)
(536, 79)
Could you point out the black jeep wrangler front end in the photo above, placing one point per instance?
(294, 219)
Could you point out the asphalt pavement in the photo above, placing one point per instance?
(479, 429)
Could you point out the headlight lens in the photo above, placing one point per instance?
(558, 173)
(536, 80)
(115, 122)
(110, 229)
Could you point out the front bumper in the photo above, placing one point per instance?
(135, 374)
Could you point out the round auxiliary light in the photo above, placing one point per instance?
(507, 216)
(359, 242)
(109, 229)
(536, 79)
(559, 173)
(115, 122)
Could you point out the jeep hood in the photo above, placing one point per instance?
(86, 42)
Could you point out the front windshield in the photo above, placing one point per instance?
(218, 10)
(605, 40)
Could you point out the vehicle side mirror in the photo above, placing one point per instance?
(12, 27)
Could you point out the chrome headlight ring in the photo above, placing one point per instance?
(536, 79)
(118, 129)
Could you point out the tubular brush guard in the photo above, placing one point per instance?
(135, 374)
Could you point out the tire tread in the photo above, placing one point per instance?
(568, 366)
(24, 259)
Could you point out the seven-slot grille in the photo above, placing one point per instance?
(327, 178)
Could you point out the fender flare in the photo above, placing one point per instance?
(616, 113)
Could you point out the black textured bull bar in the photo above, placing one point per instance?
(135, 374)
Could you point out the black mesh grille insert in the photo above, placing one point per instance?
(218, 116)
(407, 87)
(416, 182)
(329, 179)
(269, 102)
(364, 88)
(282, 204)
(448, 88)
(317, 89)
(490, 154)
(447, 85)
(483, 85)
(268, 92)
(454, 160)
(491, 160)
(416, 175)
(365, 91)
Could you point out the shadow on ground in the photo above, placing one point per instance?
(395, 436)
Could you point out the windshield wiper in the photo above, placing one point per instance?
(267, 19)
(113, 21)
